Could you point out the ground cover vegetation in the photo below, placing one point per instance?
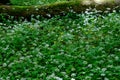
(34, 2)
(75, 46)
(82, 46)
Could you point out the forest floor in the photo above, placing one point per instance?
(82, 46)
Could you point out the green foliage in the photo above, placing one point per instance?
(33, 2)
(72, 47)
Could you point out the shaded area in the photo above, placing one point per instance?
(4, 1)
(60, 8)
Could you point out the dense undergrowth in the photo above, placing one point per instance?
(72, 47)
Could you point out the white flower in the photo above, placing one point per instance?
(72, 79)
(103, 74)
(58, 78)
(22, 58)
(116, 58)
(73, 75)
(90, 65)
(104, 69)
(10, 65)
(23, 79)
(53, 76)
(36, 9)
(4, 64)
(106, 78)
(26, 71)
